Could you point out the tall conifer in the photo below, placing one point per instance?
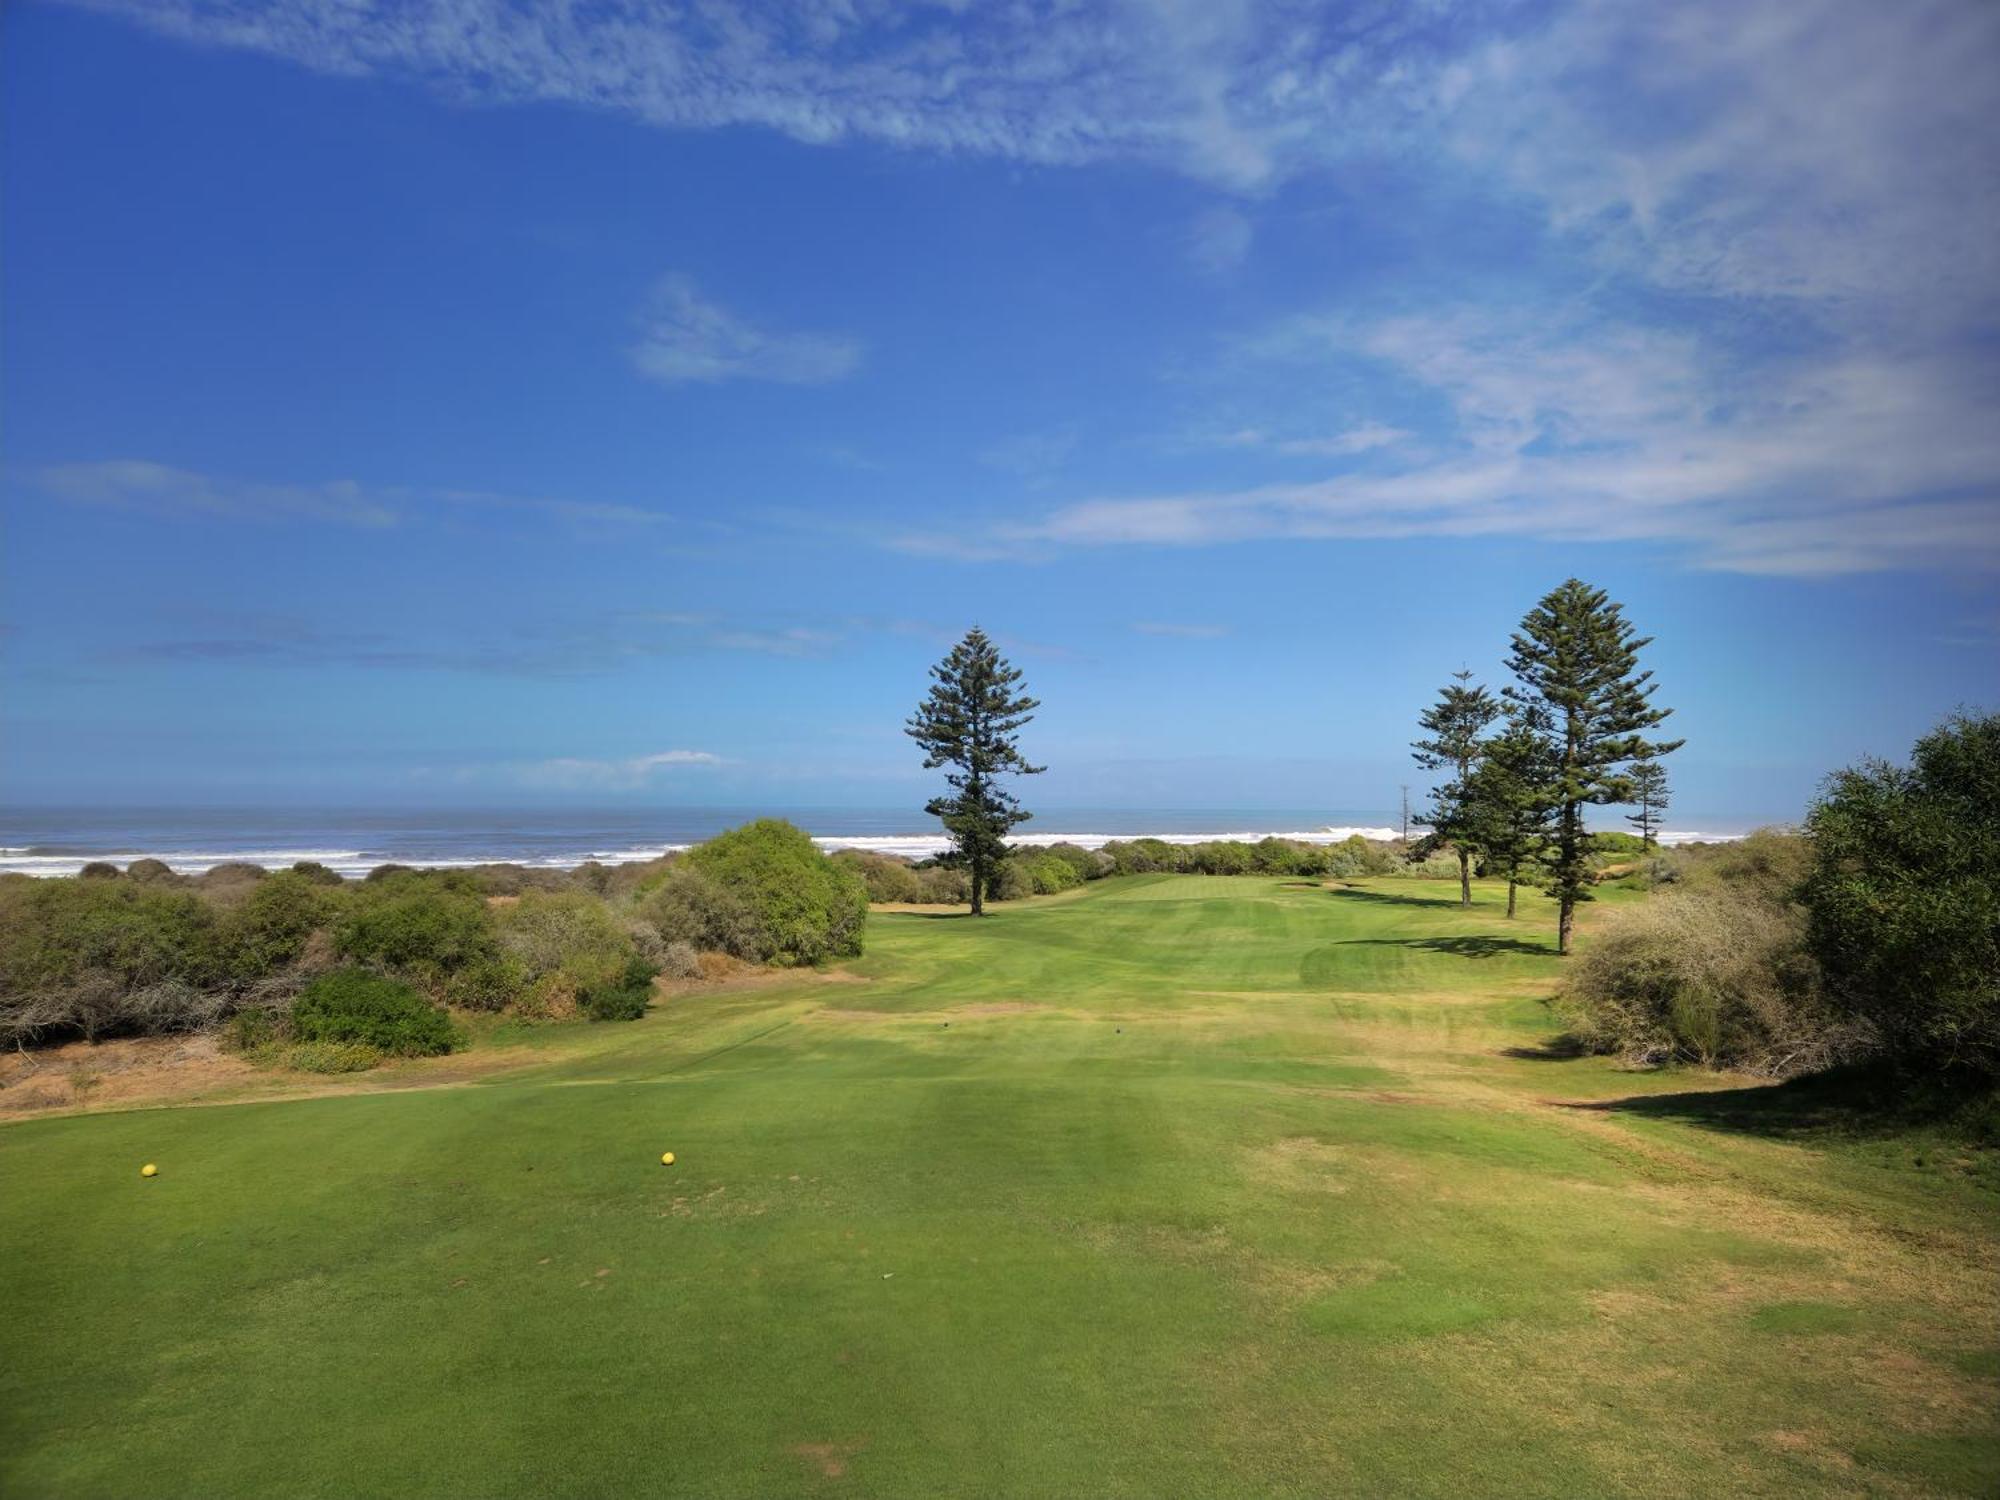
(970, 721)
(1649, 790)
(1576, 659)
(1512, 810)
(1454, 724)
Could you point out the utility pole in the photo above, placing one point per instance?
(1406, 815)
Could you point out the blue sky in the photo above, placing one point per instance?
(477, 403)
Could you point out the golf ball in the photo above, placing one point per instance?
(149, 1170)
(667, 1159)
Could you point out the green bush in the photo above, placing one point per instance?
(269, 928)
(885, 877)
(570, 932)
(1142, 856)
(331, 1057)
(689, 906)
(1904, 895)
(1089, 864)
(804, 907)
(423, 927)
(1045, 873)
(355, 1005)
(54, 930)
(1221, 857)
(622, 999)
(255, 1028)
(490, 983)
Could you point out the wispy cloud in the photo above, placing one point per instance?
(630, 774)
(686, 338)
(136, 484)
(1361, 438)
(1598, 432)
(1033, 456)
(161, 489)
(1227, 91)
(1221, 238)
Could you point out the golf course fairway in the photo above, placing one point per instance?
(1175, 1185)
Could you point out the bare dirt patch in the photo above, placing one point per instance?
(131, 1070)
(831, 1459)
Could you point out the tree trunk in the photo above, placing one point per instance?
(978, 888)
(1566, 923)
(1510, 895)
(1464, 878)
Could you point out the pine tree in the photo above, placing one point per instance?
(1511, 803)
(1577, 662)
(1649, 790)
(1454, 724)
(969, 721)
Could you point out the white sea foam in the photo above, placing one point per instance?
(16, 859)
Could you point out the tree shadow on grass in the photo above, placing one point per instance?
(1471, 946)
(1384, 898)
(1848, 1103)
(1555, 1049)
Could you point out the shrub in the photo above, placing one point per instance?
(354, 1005)
(885, 877)
(98, 869)
(255, 1028)
(570, 931)
(680, 961)
(1142, 856)
(1904, 895)
(622, 999)
(231, 874)
(1275, 856)
(943, 884)
(1221, 857)
(805, 907)
(426, 928)
(1045, 873)
(1089, 864)
(331, 1057)
(269, 929)
(688, 906)
(150, 870)
(491, 982)
(98, 957)
(1718, 977)
(317, 873)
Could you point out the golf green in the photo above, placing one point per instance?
(1169, 1186)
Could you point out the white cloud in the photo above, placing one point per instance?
(1600, 433)
(1034, 456)
(1221, 238)
(1361, 438)
(161, 489)
(136, 484)
(1838, 150)
(613, 775)
(1229, 91)
(684, 337)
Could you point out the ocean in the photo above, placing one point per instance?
(60, 841)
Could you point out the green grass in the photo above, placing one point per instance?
(1171, 1186)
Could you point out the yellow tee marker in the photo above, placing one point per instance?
(149, 1170)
